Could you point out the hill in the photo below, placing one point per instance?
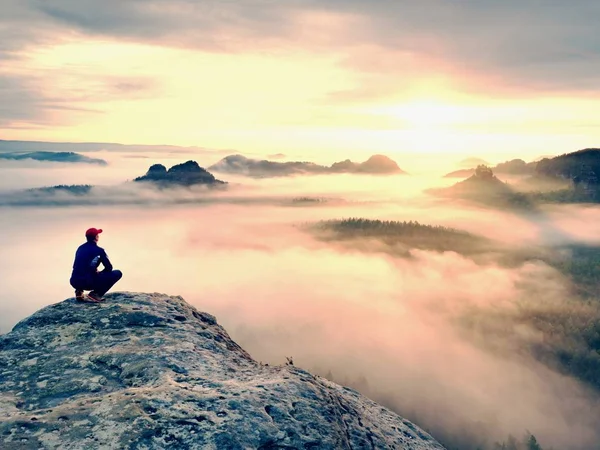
(582, 168)
(513, 167)
(568, 178)
(484, 187)
(238, 164)
(579, 164)
(63, 157)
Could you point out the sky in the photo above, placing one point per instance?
(511, 78)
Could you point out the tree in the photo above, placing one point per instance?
(483, 172)
(511, 443)
(532, 443)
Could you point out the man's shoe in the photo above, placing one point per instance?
(79, 295)
(95, 297)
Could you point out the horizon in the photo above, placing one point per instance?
(420, 163)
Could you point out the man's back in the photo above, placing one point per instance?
(87, 259)
(85, 275)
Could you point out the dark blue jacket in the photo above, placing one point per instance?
(87, 259)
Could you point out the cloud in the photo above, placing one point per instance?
(17, 32)
(528, 44)
(41, 96)
(280, 293)
(25, 100)
(387, 51)
(397, 323)
(521, 46)
(18, 102)
(24, 103)
(207, 25)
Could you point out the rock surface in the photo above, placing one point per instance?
(149, 371)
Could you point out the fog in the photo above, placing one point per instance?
(243, 256)
(124, 166)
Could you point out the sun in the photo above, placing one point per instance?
(428, 114)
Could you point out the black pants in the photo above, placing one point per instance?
(99, 283)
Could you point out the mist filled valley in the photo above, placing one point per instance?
(473, 313)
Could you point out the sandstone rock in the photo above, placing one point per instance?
(186, 174)
(149, 371)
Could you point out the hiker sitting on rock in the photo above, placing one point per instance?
(85, 276)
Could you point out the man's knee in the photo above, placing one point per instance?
(117, 274)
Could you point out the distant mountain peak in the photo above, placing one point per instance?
(188, 173)
(57, 157)
(376, 165)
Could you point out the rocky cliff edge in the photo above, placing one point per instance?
(149, 371)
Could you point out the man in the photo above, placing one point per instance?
(85, 276)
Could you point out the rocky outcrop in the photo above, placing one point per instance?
(484, 187)
(149, 371)
(187, 174)
(156, 171)
(483, 183)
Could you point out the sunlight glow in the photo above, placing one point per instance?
(429, 113)
(302, 102)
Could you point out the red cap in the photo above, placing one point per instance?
(93, 232)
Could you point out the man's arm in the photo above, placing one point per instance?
(105, 262)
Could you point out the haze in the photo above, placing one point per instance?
(355, 312)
